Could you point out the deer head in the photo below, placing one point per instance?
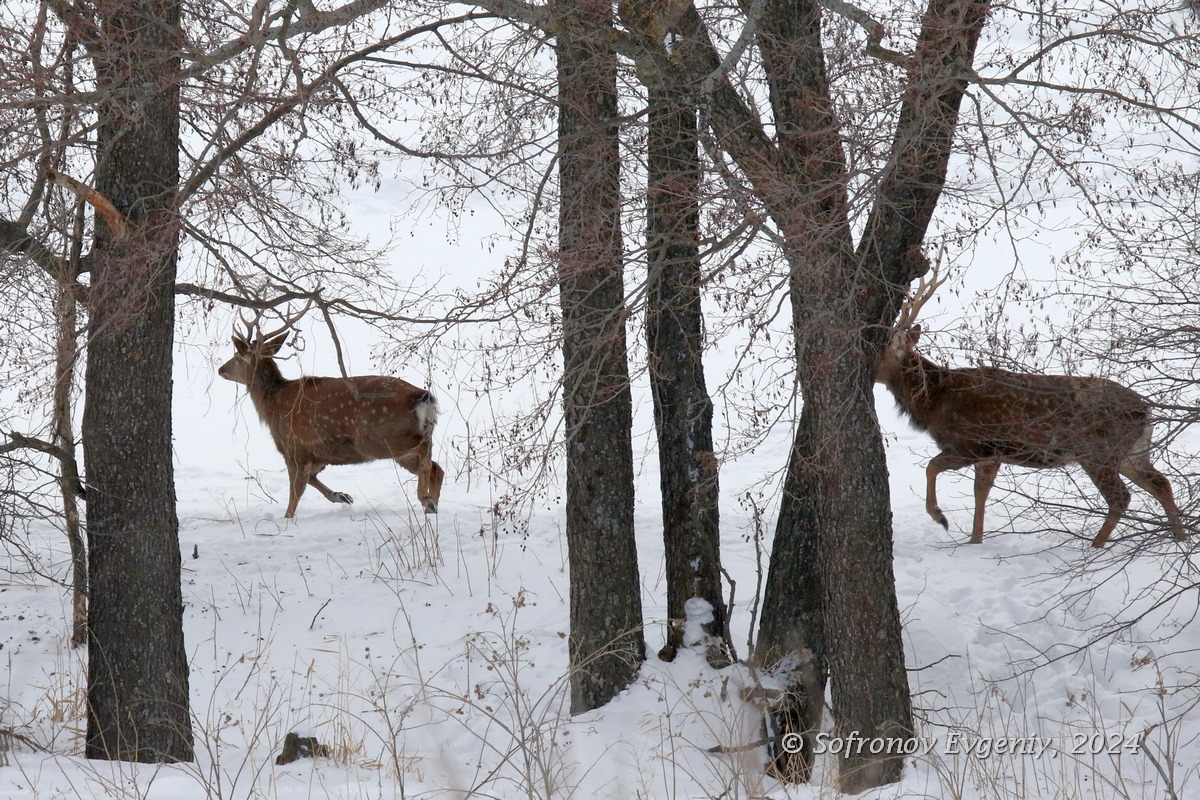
(255, 346)
(902, 341)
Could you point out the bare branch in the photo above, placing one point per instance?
(19, 441)
(79, 25)
(16, 239)
(872, 27)
(695, 62)
(340, 305)
(287, 27)
(301, 96)
(535, 16)
(118, 225)
(753, 15)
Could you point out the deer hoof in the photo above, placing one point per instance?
(342, 497)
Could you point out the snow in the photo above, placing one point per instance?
(429, 653)
(697, 612)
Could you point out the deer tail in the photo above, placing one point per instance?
(426, 409)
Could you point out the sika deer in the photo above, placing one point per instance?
(988, 417)
(316, 422)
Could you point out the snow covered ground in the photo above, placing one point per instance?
(429, 654)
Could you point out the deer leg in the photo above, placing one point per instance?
(1144, 475)
(429, 475)
(432, 474)
(937, 465)
(330, 494)
(1108, 481)
(297, 480)
(985, 477)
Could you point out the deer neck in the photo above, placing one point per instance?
(917, 386)
(266, 384)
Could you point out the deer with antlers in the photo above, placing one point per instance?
(986, 417)
(317, 422)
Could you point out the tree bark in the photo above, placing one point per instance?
(683, 410)
(606, 644)
(864, 648)
(911, 186)
(137, 665)
(806, 632)
(791, 635)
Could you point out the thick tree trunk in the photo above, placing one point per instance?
(683, 410)
(799, 629)
(842, 305)
(606, 644)
(870, 688)
(864, 644)
(137, 665)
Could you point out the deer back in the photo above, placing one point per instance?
(348, 420)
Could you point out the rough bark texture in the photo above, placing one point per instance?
(864, 645)
(910, 188)
(683, 410)
(606, 645)
(799, 626)
(138, 671)
(888, 257)
(791, 636)
(841, 305)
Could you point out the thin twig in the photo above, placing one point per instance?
(319, 610)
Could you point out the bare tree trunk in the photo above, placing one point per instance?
(606, 645)
(137, 665)
(842, 302)
(791, 636)
(794, 625)
(683, 410)
(66, 343)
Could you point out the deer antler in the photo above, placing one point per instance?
(289, 321)
(921, 294)
(255, 334)
(250, 325)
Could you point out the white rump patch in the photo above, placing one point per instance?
(1141, 448)
(427, 414)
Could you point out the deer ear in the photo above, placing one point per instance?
(914, 333)
(271, 346)
(240, 345)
